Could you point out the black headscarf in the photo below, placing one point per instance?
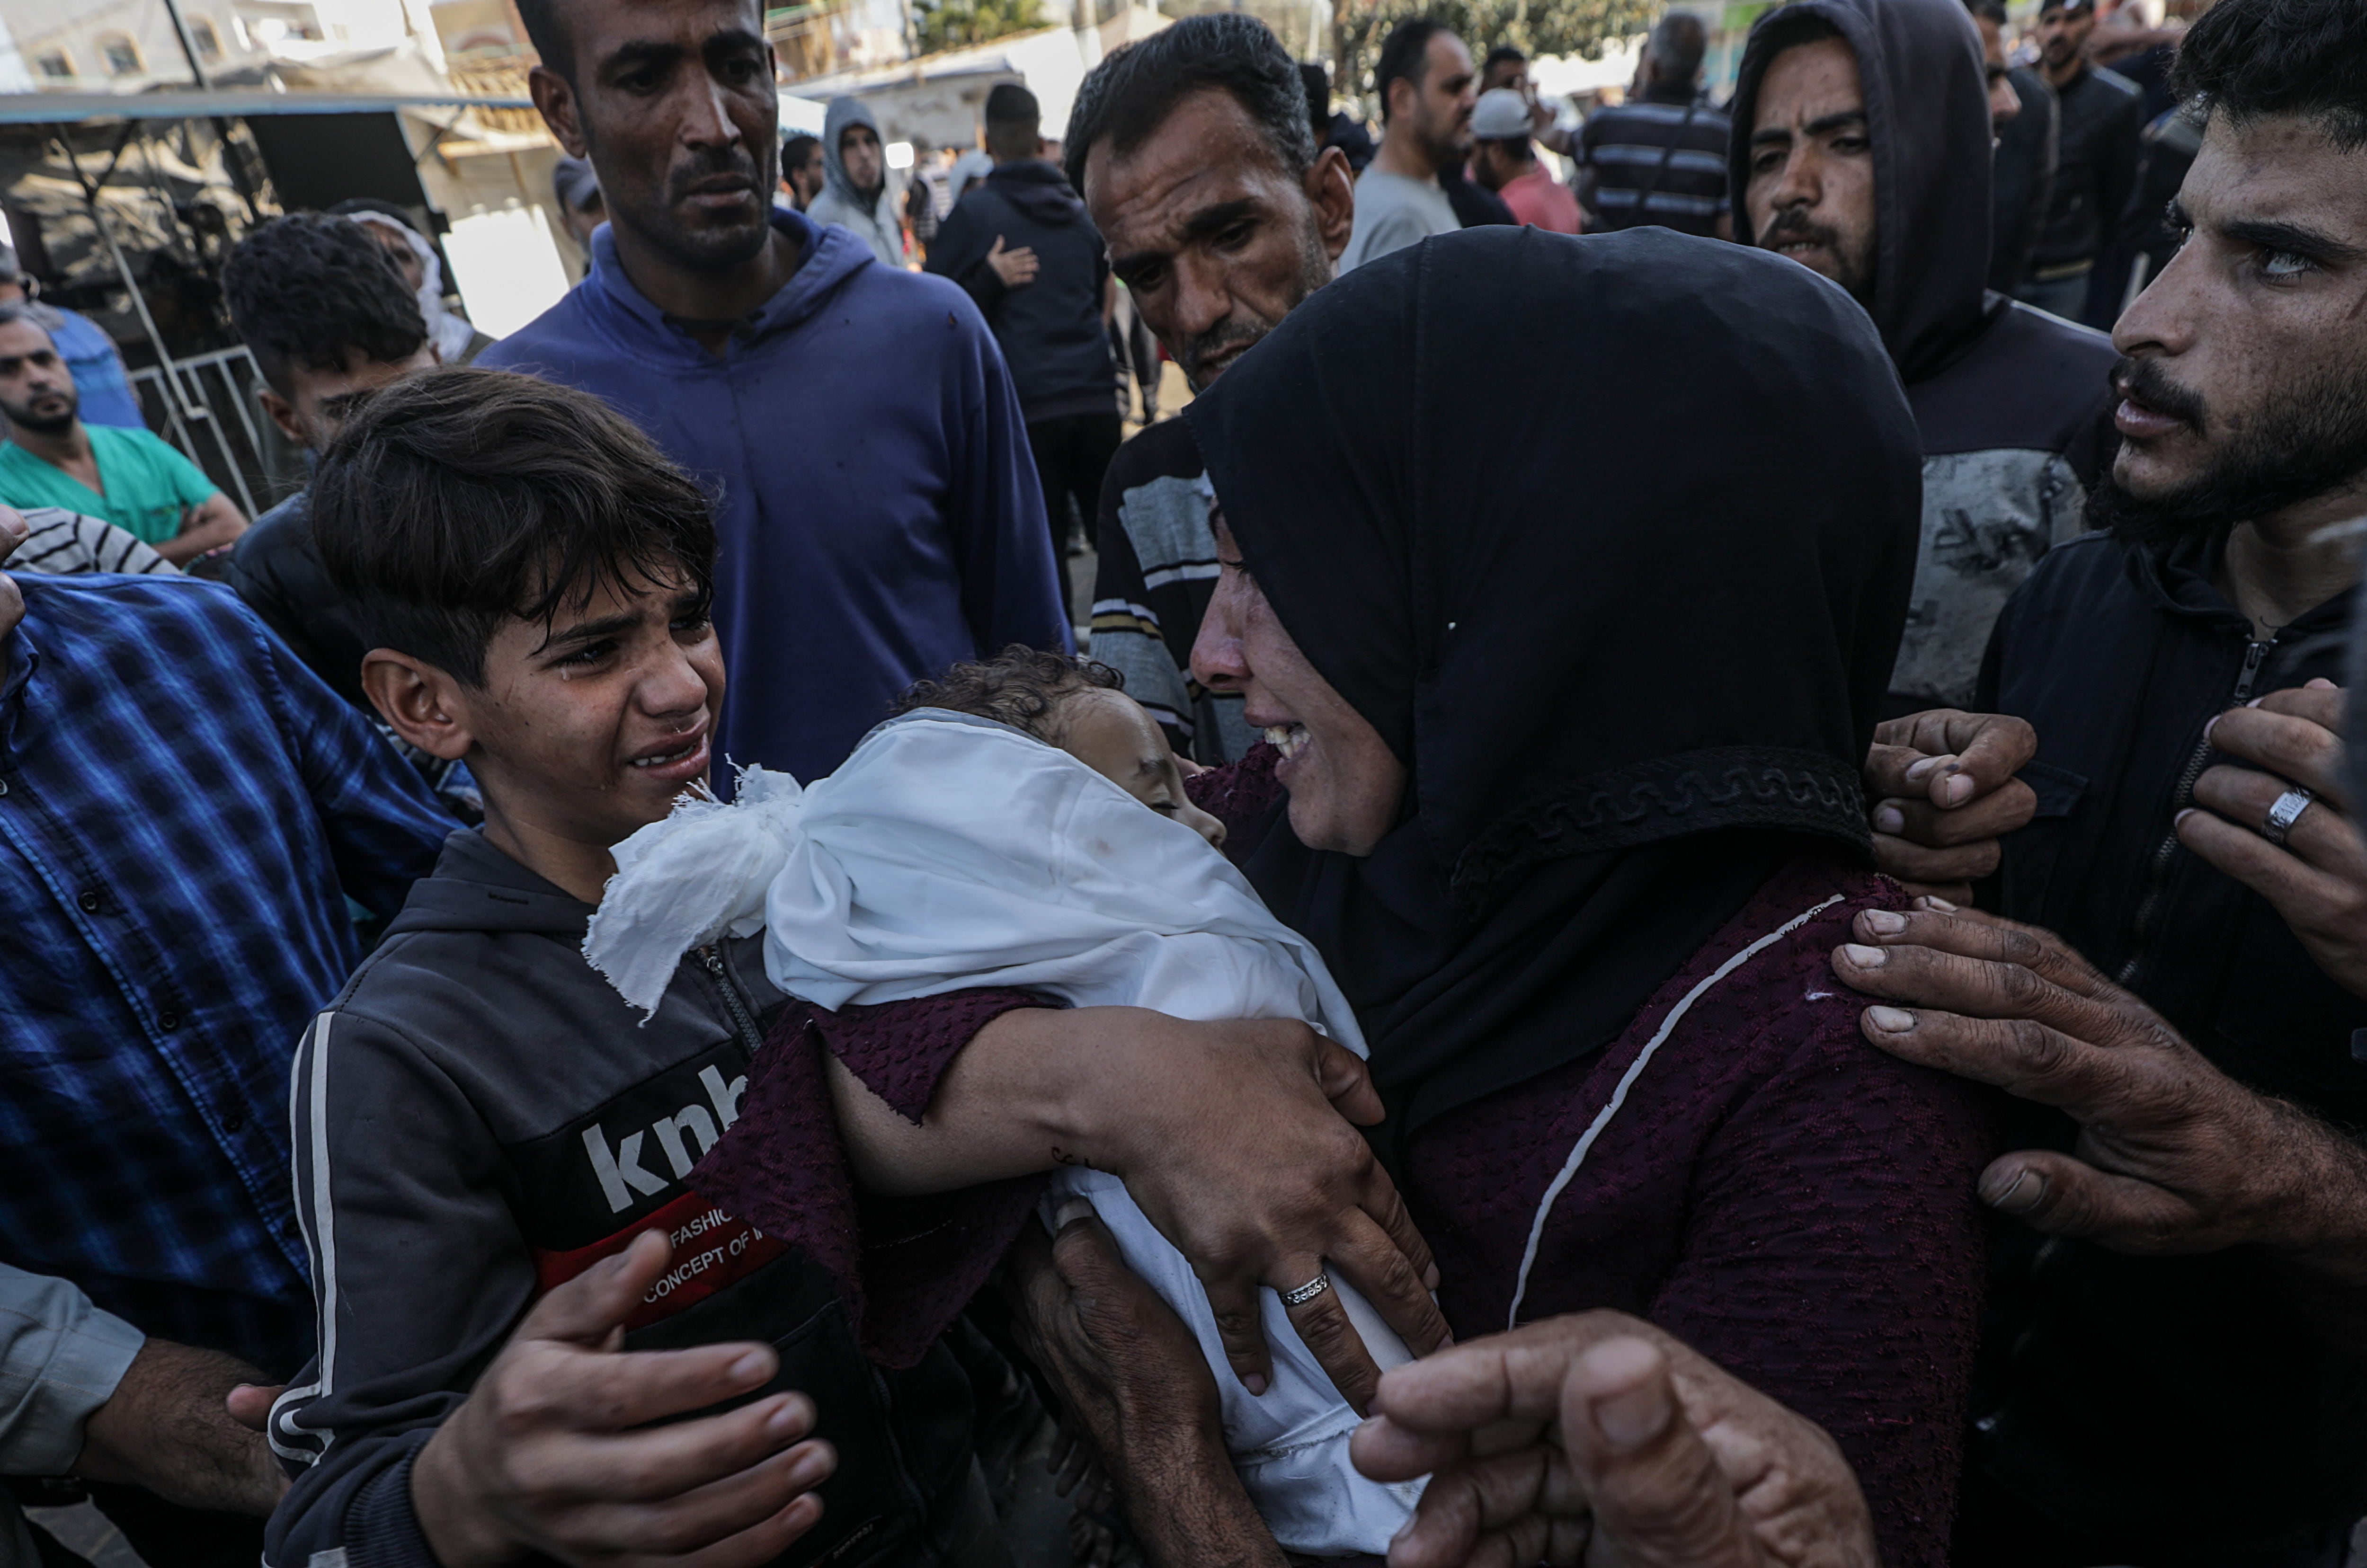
(1611, 540)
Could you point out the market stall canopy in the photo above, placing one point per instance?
(73, 108)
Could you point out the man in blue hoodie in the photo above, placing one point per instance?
(879, 515)
(1048, 310)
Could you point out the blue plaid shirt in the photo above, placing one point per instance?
(183, 808)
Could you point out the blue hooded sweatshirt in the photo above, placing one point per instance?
(876, 507)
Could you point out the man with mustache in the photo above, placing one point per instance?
(2172, 1371)
(878, 516)
(1863, 150)
(1198, 163)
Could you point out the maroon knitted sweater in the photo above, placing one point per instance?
(1792, 1202)
(1787, 1200)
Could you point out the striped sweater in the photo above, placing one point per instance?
(64, 543)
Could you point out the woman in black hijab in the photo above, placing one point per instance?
(1567, 576)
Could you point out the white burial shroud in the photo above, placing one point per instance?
(953, 852)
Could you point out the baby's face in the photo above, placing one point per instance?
(1110, 733)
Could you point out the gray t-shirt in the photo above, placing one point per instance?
(1393, 212)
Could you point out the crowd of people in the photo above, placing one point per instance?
(1694, 903)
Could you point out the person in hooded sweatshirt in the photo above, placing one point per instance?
(855, 181)
(2172, 1370)
(1831, 169)
(1048, 310)
(878, 515)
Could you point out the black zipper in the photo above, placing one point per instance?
(2256, 654)
(742, 1021)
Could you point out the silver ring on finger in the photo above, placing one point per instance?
(1307, 1292)
(2285, 814)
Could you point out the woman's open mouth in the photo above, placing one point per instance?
(1287, 738)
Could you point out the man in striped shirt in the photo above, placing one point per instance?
(1660, 159)
(62, 543)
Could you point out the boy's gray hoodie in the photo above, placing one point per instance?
(478, 1117)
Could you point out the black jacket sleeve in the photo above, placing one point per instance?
(2119, 144)
(419, 1274)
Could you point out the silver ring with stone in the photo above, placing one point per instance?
(1307, 1292)
(2285, 814)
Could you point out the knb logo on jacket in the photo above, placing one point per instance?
(620, 1171)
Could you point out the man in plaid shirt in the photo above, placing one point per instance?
(184, 811)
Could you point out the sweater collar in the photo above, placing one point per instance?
(826, 257)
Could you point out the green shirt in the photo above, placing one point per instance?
(147, 482)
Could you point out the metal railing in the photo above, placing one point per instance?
(205, 405)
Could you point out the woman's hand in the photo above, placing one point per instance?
(1237, 1140)
(1131, 1376)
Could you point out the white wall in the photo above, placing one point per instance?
(506, 265)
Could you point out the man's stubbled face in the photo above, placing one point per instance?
(1439, 116)
(1811, 190)
(1213, 237)
(2063, 37)
(2244, 391)
(858, 149)
(677, 112)
(37, 390)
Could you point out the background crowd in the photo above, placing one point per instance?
(1796, 678)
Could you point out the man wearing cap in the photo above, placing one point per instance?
(2096, 167)
(1504, 162)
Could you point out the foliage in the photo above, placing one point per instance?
(1583, 27)
(957, 24)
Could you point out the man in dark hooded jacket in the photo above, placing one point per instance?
(1050, 317)
(2173, 1369)
(1829, 167)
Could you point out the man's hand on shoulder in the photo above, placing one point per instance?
(1942, 792)
(554, 1451)
(1596, 1437)
(2317, 877)
(1017, 268)
(2172, 1156)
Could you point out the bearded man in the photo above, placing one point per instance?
(2160, 1385)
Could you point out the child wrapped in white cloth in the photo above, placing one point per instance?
(953, 851)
